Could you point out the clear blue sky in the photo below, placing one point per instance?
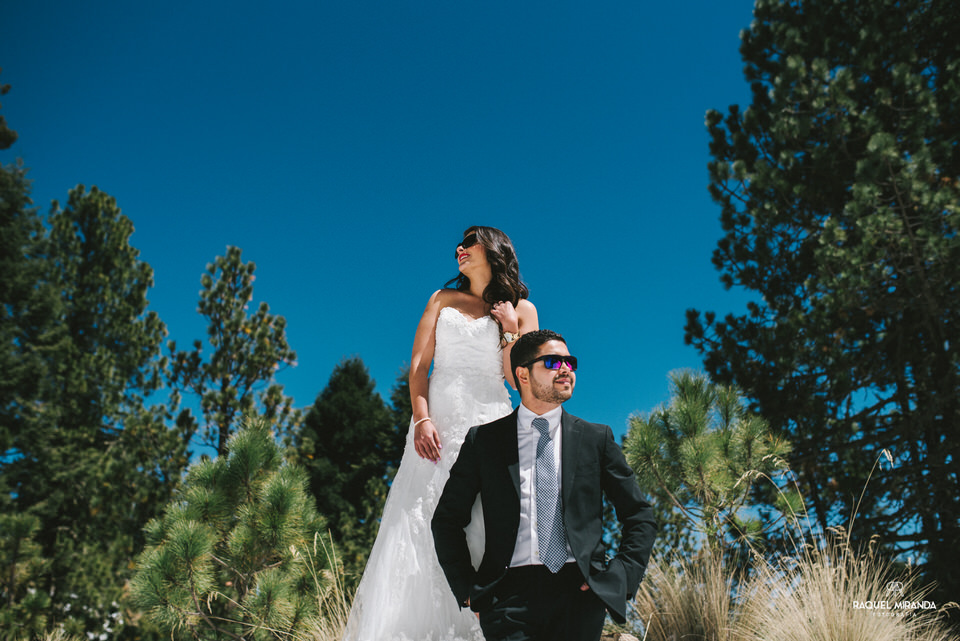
(344, 146)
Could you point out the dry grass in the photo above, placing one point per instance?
(818, 593)
(333, 597)
(810, 596)
(687, 599)
(815, 595)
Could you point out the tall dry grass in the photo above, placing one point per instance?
(687, 599)
(812, 594)
(809, 596)
(815, 595)
(333, 597)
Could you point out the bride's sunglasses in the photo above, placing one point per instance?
(555, 361)
(467, 242)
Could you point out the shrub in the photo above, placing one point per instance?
(235, 553)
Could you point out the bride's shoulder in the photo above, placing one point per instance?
(527, 315)
(450, 297)
(443, 298)
(524, 305)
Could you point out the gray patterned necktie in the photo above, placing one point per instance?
(553, 541)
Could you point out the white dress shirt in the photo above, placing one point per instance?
(527, 549)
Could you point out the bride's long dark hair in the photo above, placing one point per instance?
(505, 283)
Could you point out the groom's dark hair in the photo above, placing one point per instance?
(527, 346)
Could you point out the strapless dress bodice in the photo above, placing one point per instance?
(467, 346)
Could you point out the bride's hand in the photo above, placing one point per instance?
(426, 441)
(505, 312)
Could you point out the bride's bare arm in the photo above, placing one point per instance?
(426, 440)
(519, 320)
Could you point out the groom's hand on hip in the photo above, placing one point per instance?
(476, 614)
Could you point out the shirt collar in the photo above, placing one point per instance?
(525, 417)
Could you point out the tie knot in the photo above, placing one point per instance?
(541, 425)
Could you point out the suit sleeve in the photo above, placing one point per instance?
(638, 527)
(453, 514)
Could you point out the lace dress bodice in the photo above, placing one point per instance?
(466, 386)
(467, 346)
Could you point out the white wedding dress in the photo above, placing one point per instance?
(403, 595)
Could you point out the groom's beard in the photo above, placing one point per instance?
(549, 393)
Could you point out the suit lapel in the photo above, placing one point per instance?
(569, 446)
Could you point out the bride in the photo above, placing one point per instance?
(467, 331)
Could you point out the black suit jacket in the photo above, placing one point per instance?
(591, 465)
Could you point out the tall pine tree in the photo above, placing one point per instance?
(841, 209)
(28, 318)
(7, 135)
(351, 447)
(85, 456)
(247, 350)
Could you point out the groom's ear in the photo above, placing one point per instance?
(523, 376)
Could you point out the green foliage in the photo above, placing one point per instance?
(103, 286)
(351, 444)
(248, 349)
(841, 206)
(86, 457)
(699, 457)
(83, 454)
(28, 316)
(402, 410)
(233, 554)
(7, 136)
(21, 570)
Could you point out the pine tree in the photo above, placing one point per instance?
(29, 307)
(248, 350)
(84, 454)
(841, 208)
(7, 135)
(350, 448)
(22, 568)
(110, 459)
(698, 458)
(235, 554)
(402, 410)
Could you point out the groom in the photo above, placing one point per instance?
(541, 474)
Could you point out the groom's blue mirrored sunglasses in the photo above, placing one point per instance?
(554, 361)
